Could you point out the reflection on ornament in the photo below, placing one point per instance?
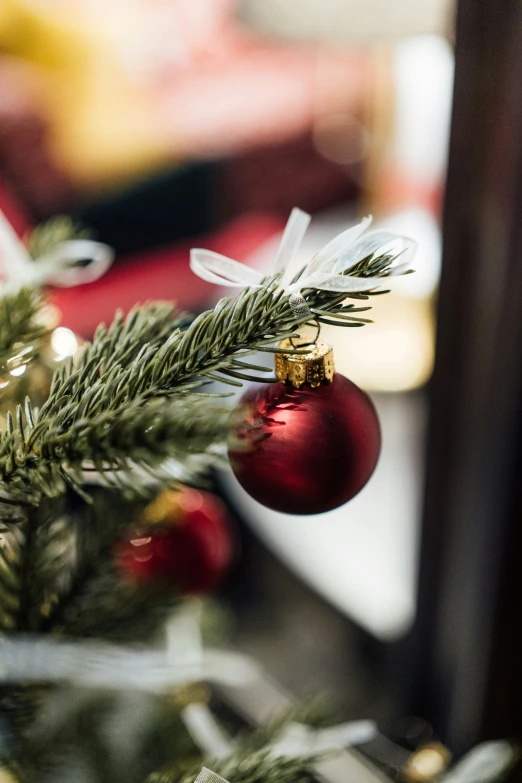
(306, 450)
(18, 371)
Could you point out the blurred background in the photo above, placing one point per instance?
(165, 124)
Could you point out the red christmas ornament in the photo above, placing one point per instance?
(307, 450)
(185, 542)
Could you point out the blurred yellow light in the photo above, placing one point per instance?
(427, 763)
(64, 342)
(6, 777)
(393, 354)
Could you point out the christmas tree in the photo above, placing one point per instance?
(100, 546)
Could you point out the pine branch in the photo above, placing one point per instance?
(252, 762)
(12, 552)
(53, 561)
(264, 768)
(114, 441)
(97, 601)
(36, 559)
(242, 768)
(103, 407)
(57, 572)
(21, 328)
(19, 704)
(213, 343)
(71, 740)
(112, 608)
(149, 433)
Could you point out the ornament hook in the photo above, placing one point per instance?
(307, 343)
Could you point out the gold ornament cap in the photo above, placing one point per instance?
(314, 367)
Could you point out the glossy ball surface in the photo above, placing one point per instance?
(188, 548)
(306, 450)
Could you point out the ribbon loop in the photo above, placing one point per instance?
(327, 271)
(327, 257)
(218, 269)
(71, 262)
(74, 262)
(13, 255)
(380, 242)
(291, 240)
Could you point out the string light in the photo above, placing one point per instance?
(18, 371)
(63, 343)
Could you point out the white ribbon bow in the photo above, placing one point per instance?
(327, 269)
(60, 267)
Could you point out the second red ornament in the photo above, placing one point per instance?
(185, 541)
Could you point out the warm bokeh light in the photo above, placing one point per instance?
(393, 354)
(18, 371)
(64, 343)
(427, 763)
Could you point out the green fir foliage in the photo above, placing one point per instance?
(104, 409)
(140, 393)
(261, 767)
(21, 328)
